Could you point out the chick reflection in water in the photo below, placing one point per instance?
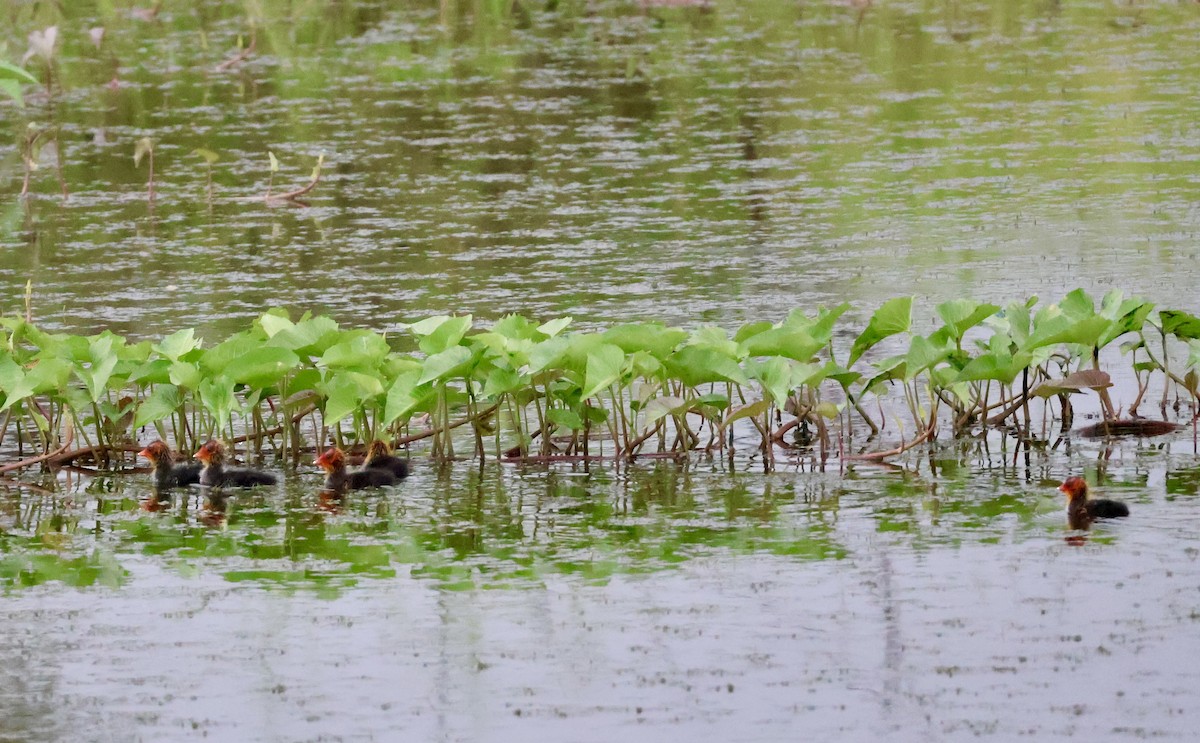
(158, 501)
(216, 513)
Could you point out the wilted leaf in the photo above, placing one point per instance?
(1088, 379)
(752, 410)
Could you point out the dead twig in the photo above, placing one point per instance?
(293, 196)
(42, 457)
(876, 456)
(240, 57)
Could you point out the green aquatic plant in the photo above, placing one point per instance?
(145, 148)
(210, 158)
(520, 389)
(294, 195)
(12, 78)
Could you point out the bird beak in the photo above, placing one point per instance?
(145, 453)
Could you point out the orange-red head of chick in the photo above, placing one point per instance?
(1075, 488)
(212, 452)
(156, 451)
(331, 460)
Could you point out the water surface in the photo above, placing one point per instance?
(613, 162)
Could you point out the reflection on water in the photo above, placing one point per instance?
(723, 163)
(654, 598)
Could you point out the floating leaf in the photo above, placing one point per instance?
(828, 410)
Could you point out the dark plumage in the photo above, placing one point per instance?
(338, 478)
(1081, 511)
(167, 474)
(215, 474)
(379, 457)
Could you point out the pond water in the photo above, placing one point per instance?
(610, 161)
(651, 602)
(725, 163)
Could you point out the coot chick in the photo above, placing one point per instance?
(379, 457)
(337, 478)
(1081, 511)
(167, 474)
(215, 474)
